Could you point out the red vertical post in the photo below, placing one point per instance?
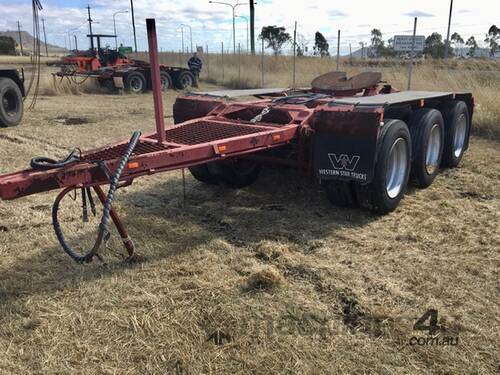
(155, 79)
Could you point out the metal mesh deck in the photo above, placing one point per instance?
(189, 134)
(116, 152)
(208, 131)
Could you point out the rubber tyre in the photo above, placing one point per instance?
(452, 112)
(202, 173)
(135, 82)
(374, 195)
(184, 80)
(341, 194)
(165, 81)
(422, 123)
(236, 173)
(11, 103)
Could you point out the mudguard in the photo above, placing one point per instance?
(345, 143)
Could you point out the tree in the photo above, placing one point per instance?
(492, 38)
(434, 46)
(472, 44)
(377, 42)
(7, 45)
(456, 40)
(321, 46)
(302, 45)
(275, 37)
(378, 47)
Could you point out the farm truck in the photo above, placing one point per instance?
(114, 70)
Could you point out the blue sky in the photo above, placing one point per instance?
(211, 23)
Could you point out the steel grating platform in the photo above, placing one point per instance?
(209, 131)
(116, 152)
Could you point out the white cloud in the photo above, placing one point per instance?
(418, 13)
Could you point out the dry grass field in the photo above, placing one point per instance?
(267, 279)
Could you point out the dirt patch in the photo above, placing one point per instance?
(11, 139)
(73, 120)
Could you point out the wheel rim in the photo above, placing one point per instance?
(433, 149)
(186, 80)
(164, 83)
(397, 165)
(136, 84)
(10, 103)
(460, 134)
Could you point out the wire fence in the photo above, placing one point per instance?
(243, 70)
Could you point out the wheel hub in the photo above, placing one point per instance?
(136, 84)
(433, 150)
(460, 135)
(9, 103)
(187, 81)
(397, 165)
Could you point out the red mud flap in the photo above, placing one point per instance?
(345, 144)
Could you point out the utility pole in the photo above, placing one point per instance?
(446, 46)
(222, 59)
(262, 63)
(410, 68)
(76, 42)
(190, 35)
(182, 35)
(133, 23)
(350, 51)
(252, 26)
(90, 29)
(234, 21)
(114, 26)
(20, 38)
(338, 50)
(45, 38)
(234, 33)
(294, 51)
(239, 63)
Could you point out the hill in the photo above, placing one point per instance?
(28, 39)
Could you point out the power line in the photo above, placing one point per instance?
(45, 38)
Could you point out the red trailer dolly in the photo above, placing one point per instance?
(340, 139)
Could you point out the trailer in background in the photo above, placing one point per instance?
(114, 70)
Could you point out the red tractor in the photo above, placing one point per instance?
(116, 71)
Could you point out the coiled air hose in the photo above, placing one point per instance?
(43, 163)
(103, 226)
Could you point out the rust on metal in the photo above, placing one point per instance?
(340, 84)
(155, 79)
